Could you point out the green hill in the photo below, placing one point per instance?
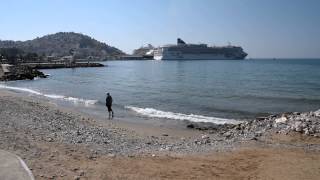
(61, 43)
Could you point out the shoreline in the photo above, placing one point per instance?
(63, 144)
(95, 109)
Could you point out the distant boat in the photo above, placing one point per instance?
(184, 51)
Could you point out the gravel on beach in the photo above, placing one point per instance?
(56, 142)
(25, 120)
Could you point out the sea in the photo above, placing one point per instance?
(162, 92)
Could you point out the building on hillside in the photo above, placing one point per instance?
(50, 58)
(68, 59)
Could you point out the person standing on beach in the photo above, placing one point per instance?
(109, 104)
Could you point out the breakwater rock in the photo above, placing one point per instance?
(19, 72)
(307, 123)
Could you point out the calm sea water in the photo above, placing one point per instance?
(185, 90)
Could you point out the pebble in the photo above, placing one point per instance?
(50, 140)
(75, 169)
(81, 173)
(227, 134)
(111, 155)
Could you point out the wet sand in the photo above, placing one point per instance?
(62, 144)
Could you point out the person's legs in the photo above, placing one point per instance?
(109, 111)
(112, 115)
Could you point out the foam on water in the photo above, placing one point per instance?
(150, 112)
(52, 96)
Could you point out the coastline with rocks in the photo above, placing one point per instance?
(59, 143)
(29, 71)
(19, 72)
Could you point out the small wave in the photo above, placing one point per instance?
(52, 96)
(20, 89)
(150, 112)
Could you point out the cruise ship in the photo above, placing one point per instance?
(184, 51)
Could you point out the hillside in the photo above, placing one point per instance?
(61, 43)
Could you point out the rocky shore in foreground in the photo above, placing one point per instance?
(307, 123)
(47, 137)
(40, 122)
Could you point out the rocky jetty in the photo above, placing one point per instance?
(307, 123)
(18, 72)
(63, 65)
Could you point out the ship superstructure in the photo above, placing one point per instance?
(184, 51)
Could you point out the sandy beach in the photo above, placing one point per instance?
(59, 143)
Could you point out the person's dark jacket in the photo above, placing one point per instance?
(109, 101)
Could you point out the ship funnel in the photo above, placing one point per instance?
(180, 42)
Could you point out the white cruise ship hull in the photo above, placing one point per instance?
(194, 57)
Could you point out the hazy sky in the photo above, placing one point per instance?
(264, 28)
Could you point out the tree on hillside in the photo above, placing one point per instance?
(11, 54)
(31, 57)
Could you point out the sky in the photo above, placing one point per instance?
(264, 28)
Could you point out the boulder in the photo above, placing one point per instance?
(191, 126)
(282, 119)
(21, 72)
(298, 126)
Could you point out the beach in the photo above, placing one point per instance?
(148, 90)
(60, 143)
